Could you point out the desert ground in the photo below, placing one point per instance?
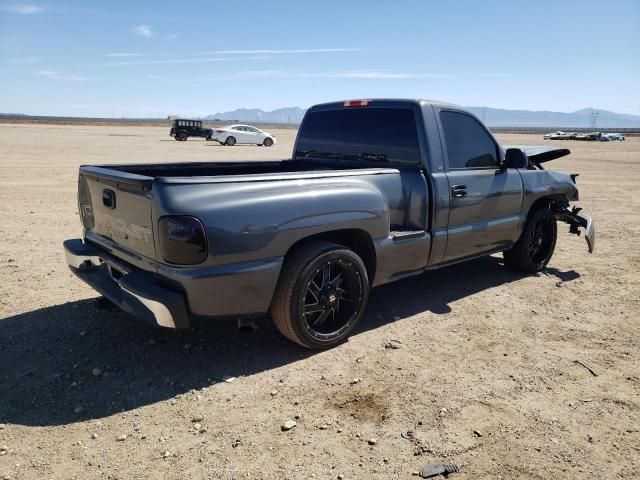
(480, 363)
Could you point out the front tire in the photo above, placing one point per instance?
(321, 295)
(267, 142)
(231, 141)
(533, 250)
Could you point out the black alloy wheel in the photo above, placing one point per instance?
(321, 295)
(535, 247)
(331, 299)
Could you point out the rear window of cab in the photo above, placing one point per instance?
(369, 134)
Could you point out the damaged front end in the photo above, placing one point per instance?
(576, 219)
(560, 186)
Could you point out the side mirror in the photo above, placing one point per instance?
(515, 158)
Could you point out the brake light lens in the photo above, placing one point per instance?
(183, 240)
(357, 103)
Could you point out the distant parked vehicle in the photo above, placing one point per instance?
(183, 129)
(559, 135)
(612, 137)
(589, 137)
(242, 134)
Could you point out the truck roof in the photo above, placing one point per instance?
(387, 101)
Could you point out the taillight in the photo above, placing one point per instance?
(85, 207)
(183, 240)
(219, 131)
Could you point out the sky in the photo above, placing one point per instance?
(155, 58)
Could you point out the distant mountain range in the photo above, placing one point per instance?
(247, 115)
(496, 117)
(493, 117)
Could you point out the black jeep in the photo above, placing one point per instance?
(183, 129)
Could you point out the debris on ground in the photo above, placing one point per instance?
(288, 425)
(407, 434)
(392, 345)
(439, 468)
(587, 366)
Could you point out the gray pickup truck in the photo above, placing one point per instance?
(376, 190)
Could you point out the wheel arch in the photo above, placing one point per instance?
(548, 201)
(355, 239)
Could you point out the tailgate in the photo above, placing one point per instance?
(117, 205)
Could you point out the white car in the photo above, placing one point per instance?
(239, 134)
(613, 137)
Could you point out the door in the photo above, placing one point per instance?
(243, 135)
(485, 201)
(254, 135)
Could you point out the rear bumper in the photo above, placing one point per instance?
(131, 289)
(169, 296)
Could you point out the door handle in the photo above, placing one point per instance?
(459, 191)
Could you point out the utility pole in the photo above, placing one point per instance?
(594, 119)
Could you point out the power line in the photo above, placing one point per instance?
(594, 119)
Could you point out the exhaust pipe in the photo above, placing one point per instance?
(247, 325)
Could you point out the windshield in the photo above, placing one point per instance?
(368, 134)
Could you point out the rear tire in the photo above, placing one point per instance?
(533, 250)
(231, 141)
(321, 295)
(182, 136)
(267, 142)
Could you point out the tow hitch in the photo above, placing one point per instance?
(576, 219)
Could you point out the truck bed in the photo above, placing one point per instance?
(212, 169)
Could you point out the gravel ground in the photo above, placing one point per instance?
(480, 363)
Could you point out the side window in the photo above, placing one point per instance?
(468, 143)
